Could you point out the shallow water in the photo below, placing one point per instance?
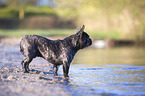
(93, 72)
(115, 71)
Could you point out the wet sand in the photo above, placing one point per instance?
(39, 82)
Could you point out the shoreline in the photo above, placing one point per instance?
(39, 82)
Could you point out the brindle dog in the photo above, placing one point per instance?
(57, 52)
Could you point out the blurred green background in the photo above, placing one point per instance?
(104, 19)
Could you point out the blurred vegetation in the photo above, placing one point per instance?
(49, 33)
(124, 16)
(57, 32)
(119, 19)
(11, 12)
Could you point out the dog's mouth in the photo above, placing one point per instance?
(89, 43)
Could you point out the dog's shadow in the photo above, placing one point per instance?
(55, 79)
(34, 71)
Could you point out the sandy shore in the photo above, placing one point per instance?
(39, 82)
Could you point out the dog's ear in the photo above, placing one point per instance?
(81, 29)
(78, 29)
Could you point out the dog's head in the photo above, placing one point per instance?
(82, 39)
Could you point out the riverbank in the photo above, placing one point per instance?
(39, 82)
(104, 73)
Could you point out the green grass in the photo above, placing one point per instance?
(57, 32)
(13, 12)
(49, 33)
(42, 10)
(105, 34)
(8, 12)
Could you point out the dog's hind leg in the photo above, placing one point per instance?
(22, 63)
(55, 69)
(25, 64)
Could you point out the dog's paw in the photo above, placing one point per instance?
(26, 71)
(67, 78)
(59, 76)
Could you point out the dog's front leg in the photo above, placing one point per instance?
(66, 69)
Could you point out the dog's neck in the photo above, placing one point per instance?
(72, 41)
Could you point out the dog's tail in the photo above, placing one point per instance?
(21, 48)
(21, 45)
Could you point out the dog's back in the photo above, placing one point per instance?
(29, 45)
(32, 46)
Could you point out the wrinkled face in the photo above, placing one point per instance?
(85, 40)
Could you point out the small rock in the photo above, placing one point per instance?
(42, 73)
(61, 80)
(5, 69)
(11, 78)
(52, 82)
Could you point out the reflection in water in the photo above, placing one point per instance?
(117, 71)
(123, 55)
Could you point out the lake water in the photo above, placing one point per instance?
(110, 71)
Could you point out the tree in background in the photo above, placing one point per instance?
(20, 5)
